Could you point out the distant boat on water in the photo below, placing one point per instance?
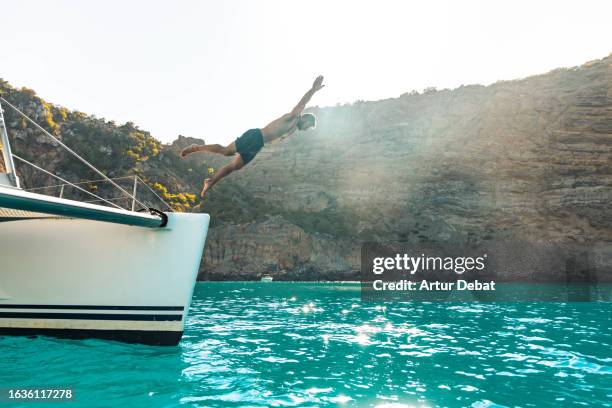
(267, 278)
(81, 270)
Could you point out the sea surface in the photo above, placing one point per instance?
(313, 344)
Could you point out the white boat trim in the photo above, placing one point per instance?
(80, 278)
(82, 270)
(22, 200)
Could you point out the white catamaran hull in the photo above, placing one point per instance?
(80, 278)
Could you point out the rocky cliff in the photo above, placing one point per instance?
(521, 161)
(526, 161)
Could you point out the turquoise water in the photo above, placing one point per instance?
(299, 344)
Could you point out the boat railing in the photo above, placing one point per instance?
(84, 190)
(141, 193)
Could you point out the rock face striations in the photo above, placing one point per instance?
(525, 162)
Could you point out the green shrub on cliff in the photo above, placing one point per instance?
(178, 201)
(116, 150)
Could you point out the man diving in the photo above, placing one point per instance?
(246, 147)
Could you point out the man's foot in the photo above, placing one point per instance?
(207, 185)
(192, 148)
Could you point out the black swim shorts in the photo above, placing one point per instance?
(249, 144)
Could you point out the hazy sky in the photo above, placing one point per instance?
(213, 69)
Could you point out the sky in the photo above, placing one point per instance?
(213, 69)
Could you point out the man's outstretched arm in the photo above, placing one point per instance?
(287, 123)
(316, 86)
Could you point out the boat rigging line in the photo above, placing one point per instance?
(65, 181)
(134, 177)
(91, 166)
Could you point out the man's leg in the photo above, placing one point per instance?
(234, 165)
(228, 150)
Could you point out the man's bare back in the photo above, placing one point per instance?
(281, 127)
(250, 143)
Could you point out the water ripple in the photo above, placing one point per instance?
(293, 345)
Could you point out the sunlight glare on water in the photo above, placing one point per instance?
(313, 344)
